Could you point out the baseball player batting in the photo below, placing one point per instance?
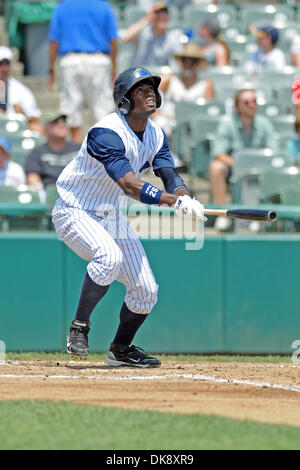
(87, 217)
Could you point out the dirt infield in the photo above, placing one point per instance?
(265, 392)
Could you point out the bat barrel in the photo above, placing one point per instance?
(272, 216)
(253, 214)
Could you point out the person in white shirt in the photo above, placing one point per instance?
(267, 56)
(18, 98)
(11, 173)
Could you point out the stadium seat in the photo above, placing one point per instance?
(194, 15)
(227, 77)
(284, 137)
(200, 158)
(271, 109)
(284, 124)
(252, 161)
(51, 197)
(249, 14)
(249, 164)
(187, 110)
(125, 55)
(131, 14)
(12, 125)
(279, 79)
(25, 213)
(25, 140)
(19, 155)
(204, 127)
(283, 183)
(185, 136)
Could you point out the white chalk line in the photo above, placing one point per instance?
(207, 378)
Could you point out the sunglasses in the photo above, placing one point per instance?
(191, 60)
(57, 120)
(247, 102)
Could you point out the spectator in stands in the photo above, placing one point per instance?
(84, 36)
(155, 45)
(267, 56)
(18, 98)
(244, 129)
(11, 173)
(45, 162)
(186, 85)
(293, 145)
(214, 49)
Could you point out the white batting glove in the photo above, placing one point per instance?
(189, 208)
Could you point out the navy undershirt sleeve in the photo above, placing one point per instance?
(108, 148)
(163, 158)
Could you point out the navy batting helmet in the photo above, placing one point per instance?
(126, 80)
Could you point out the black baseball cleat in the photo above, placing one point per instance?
(120, 355)
(77, 340)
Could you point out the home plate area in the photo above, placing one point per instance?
(265, 392)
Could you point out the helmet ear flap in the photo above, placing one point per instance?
(159, 99)
(125, 105)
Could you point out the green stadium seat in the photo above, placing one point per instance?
(283, 183)
(131, 14)
(249, 164)
(26, 140)
(51, 197)
(267, 14)
(252, 161)
(125, 55)
(271, 109)
(284, 137)
(19, 155)
(284, 124)
(194, 15)
(8, 126)
(185, 111)
(227, 78)
(20, 209)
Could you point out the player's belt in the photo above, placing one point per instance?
(86, 52)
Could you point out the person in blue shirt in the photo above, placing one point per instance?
(84, 36)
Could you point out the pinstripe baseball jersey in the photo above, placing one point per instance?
(110, 150)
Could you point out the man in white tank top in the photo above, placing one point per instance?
(87, 217)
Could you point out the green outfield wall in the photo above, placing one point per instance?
(237, 294)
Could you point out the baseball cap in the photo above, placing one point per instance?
(264, 31)
(51, 117)
(6, 53)
(5, 144)
(213, 25)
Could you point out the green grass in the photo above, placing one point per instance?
(43, 425)
(56, 356)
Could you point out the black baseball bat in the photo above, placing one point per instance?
(247, 214)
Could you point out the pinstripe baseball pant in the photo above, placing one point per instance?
(112, 254)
